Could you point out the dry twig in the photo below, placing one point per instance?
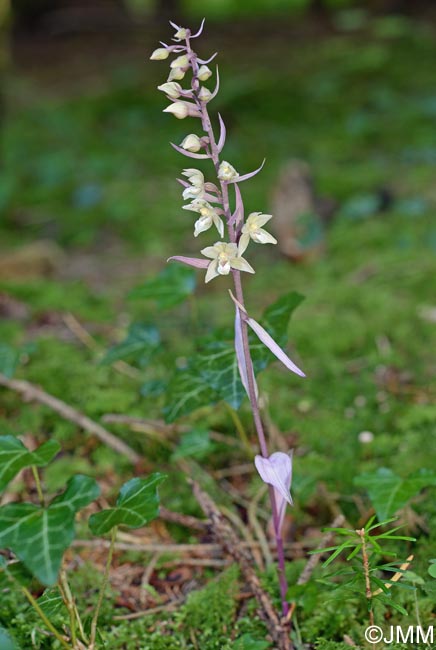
(32, 393)
(231, 544)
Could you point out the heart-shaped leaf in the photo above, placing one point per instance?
(389, 492)
(169, 288)
(14, 457)
(39, 536)
(137, 505)
(6, 641)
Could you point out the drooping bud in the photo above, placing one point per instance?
(226, 172)
(180, 62)
(204, 73)
(160, 54)
(171, 88)
(178, 109)
(191, 143)
(204, 95)
(177, 74)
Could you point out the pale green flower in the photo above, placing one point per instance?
(204, 73)
(178, 109)
(252, 229)
(194, 176)
(224, 258)
(176, 74)
(208, 216)
(160, 54)
(226, 172)
(180, 62)
(180, 34)
(204, 95)
(171, 88)
(191, 143)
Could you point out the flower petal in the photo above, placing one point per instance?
(274, 347)
(276, 471)
(243, 243)
(262, 219)
(261, 236)
(241, 264)
(212, 271)
(219, 224)
(210, 251)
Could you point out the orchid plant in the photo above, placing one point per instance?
(219, 205)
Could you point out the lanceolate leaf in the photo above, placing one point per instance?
(40, 536)
(14, 457)
(137, 505)
(389, 492)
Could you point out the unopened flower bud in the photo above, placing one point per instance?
(204, 95)
(178, 109)
(204, 73)
(160, 54)
(191, 143)
(226, 172)
(171, 88)
(180, 62)
(177, 74)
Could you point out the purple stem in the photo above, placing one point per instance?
(214, 155)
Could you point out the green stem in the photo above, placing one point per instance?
(102, 589)
(68, 599)
(38, 485)
(41, 614)
(239, 428)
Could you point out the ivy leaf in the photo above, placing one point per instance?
(9, 359)
(213, 374)
(51, 602)
(139, 345)
(169, 288)
(246, 642)
(432, 568)
(194, 444)
(137, 505)
(218, 367)
(389, 492)
(6, 641)
(39, 536)
(14, 457)
(187, 392)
